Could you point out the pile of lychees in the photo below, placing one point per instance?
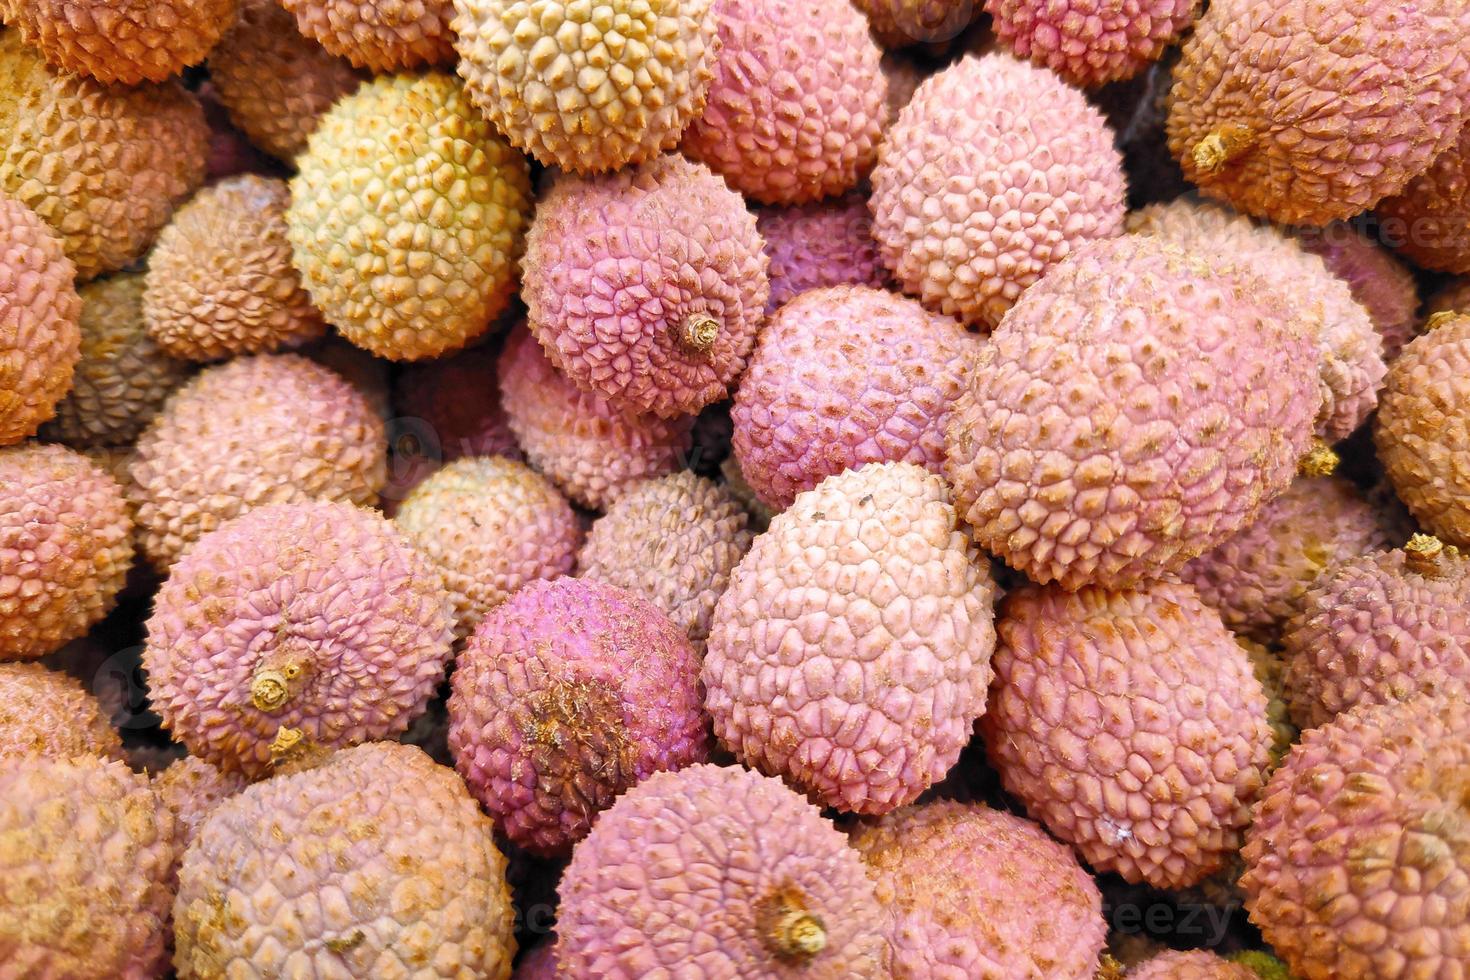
(710, 489)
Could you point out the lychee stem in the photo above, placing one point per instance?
(275, 681)
(798, 935)
(292, 751)
(1426, 555)
(1320, 460)
(698, 333)
(1221, 147)
(1437, 320)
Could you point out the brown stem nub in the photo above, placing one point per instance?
(788, 929)
(292, 751)
(1428, 556)
(1437, 320)
(276, 680)
(1221, 147)
(1320, 460)
(698, 333)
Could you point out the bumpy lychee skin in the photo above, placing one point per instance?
(1351, 350)
(374, 863)
(1380, 282)
(994, 173)
(952, 879)
(842, 377)
(66, 543)
(39, 336)
(1430, 221)
(1090, 42)
(717, 872)
(458, 399)
(380, 35)
(796, 107)
(587, 447)
(122, 377)
(102, 165)
(407, 216)
(275, 83)
(85, 854)
(647, 286)
(1379, 628)
(900, 23)
(47, 713)
(1136, 408)
(1359, 856)
(316, 617)
(587, 87)
(1199, 964)
(489, 525)
(258, 430)
(1423, 431)
(1131, 724)
(1307, 111)
(826, 243)
(192, 788)
(122, 42)
(851, 651)
(1254, 578)
(567, 695)
(220, 280)
(674, 541)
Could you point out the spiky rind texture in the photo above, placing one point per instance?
(1422, 432)
(900, 23)
(39, 335)
(319, 617)
(407, 217)
(691, 874)
(1375, 629)
(1329, 106)
(587, 87)
(344, 869)
(122, 376)
(797, 105)
(569, 694)
(220, 279)
(1430, 221)
(1131, 724)
(274, 82)
(1358, 862)
(121, 42)
(102, 165)
(1090, 42)
(1452, 297)
(994, 173)
(842, 377)
(1198, 964)
(1352, 366)
(458, 399)
(66, 543)
(674, 541)
(1380, 282)
(380, 35)
(192, 788)
(825, 243)
(86, 850)
(270, 429)
(850, 653)
(489, 526)
(588, 448)
(618, 267)
(48, 713)
(1136, 408)
(1255, 578)
(952, 879)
